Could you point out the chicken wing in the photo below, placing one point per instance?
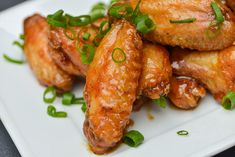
(156, 71)
(231, 4)
(185, 92)
(111, 87)
(196, 35)
(36, 50)
(216, 70)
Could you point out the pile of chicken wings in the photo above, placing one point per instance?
(177, 61)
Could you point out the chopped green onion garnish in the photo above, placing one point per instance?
(112, 2)
(228, 101)
(78, 101)
(67, 98)
(22, 36)
(133, 138)
(161, 102)
(118, 55)
(103, 25)
(17, 43)
(82, 20)
(190, 20)
(98, 11)
(136, 11)
(218, 14)
(84, 107)
(70, 33)
(182, 133)
(120, 11)
(9, 59)
(49, 95)
(145, 25)
(57, 19)
(51, 110)
(87, 49)
(86, 36)
(97, 39)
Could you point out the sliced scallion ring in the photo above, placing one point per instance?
(67, 98)
(49, 95)
(97, 39)
(70, 33)
(84, 51)
(86, 36)
(82, 20)
(182, 133)
(228, 101)
(51, 111)
(161, 102)
(57, 19)
(84, 107)
(120, 11)
(105, 27)
(118, 55)
(145, 25)
(133, 138)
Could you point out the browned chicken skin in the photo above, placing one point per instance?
(36, 48)
(185, 92)
(188, 35)
(111, 88)
(156, 71)
(216, 70)
(231, 4)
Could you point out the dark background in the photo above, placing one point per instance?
(8, 148)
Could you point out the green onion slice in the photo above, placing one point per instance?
(105, 27)
(78, 101)
(182, 133)
(67, 98)
(9, 59)
(17, 43)
(87, 49)
(49, 95)
(145, 25)
(22, 37)
(228, 101)
(84, 107)
(51, 110)
(190, 20)
(136, 11)
(161, 102)
(70, 33)
(218, 13)
(98, 11)
(86, 36)
(120, 11)
(82, 20)
(97, 39)
(133, 138)
(118, 55)
(57, 19)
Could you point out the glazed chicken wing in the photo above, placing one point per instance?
(156, 71)
(36, 48)
(231, 4)
(216, 70)
(111, 87)
(185, 92)
(196, 35)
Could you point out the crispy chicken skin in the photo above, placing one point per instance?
(188, 35)
(156, 71)
(216, 70)
(36, 49)
(60, 42)
(185, 92)
(231, 4)
(111, 88)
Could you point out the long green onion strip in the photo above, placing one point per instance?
(190, 20)
(11, 60)
(70, 33)
(218, 13)
(51, 111)
(133, 138)
(49, 95)
(118, 55)
(17, 43)
(86, 36)
(87, 53)
(98, 11)
(76, 21)
(161, 102)
(57, 19)
(182, 133)
(228, 101)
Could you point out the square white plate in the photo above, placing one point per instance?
(211, 128)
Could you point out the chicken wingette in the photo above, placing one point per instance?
(111, 86)
(216, 69)
(36, 48)
(156, 71)
(185, 92)
(202, 34)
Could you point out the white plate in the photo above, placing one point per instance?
(211, 128)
